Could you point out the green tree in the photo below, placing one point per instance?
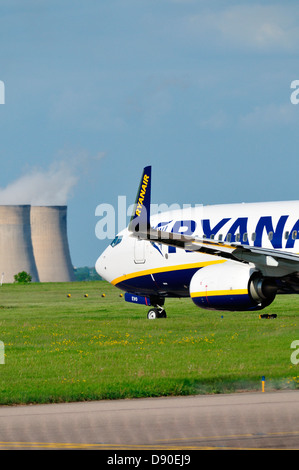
(23, 277)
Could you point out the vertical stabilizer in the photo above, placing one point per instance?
(140, 220)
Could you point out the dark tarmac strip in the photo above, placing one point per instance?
(242, 421)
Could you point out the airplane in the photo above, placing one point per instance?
(226, 257)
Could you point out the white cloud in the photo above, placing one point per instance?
(254, 27)
(216, 121)
(270, 116)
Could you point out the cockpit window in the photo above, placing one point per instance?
(116, 241)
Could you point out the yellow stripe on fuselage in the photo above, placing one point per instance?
(164, 270)
(211, 293)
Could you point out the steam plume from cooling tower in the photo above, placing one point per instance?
(34, 238)
(33, 221)
(41, 187)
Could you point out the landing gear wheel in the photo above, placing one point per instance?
(153, 313)
(156, 312)
(162, 314)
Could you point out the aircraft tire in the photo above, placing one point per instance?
(153, 313)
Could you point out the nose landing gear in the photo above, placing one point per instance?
(156, 312)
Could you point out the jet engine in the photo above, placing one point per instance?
(231, 286)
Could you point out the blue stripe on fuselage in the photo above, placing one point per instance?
(170, 283)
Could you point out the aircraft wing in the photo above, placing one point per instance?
(234, 251)
(264, 258)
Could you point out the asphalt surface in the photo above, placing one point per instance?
(236, 421)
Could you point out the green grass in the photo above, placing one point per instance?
(87, 348)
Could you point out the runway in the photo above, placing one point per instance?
(250, 421)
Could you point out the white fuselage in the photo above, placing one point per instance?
(149, 268)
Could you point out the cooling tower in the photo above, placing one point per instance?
(16, 251)
(50, 243)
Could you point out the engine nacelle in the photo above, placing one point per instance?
(231, 286)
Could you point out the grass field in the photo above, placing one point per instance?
(60, 348)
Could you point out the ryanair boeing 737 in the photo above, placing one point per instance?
(234, 257)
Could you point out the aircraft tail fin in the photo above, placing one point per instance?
(140, 220)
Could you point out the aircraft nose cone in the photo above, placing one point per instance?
(100, 266)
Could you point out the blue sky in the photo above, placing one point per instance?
(96, 90)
